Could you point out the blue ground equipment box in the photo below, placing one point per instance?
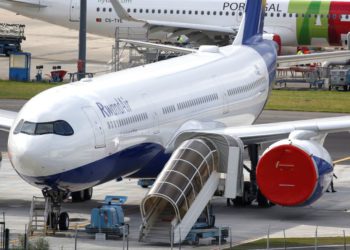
(20, 67)
(109, 218)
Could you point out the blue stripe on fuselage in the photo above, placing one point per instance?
(143, 160)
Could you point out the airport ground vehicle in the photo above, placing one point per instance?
(205, 228)
(109, 218)
(11, 37)
(339, 78)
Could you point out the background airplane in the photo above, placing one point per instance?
(130, 123)
(290, 22)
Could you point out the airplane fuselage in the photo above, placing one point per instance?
(319, 23)
(123, 124)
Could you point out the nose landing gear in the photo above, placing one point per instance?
(55, 219)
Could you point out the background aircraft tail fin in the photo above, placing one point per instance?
(252, 25)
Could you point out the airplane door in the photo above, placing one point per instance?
(155, 118)
(74, 12)
(95, 122)
(226, 108)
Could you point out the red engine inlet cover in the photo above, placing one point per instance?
(286, 175)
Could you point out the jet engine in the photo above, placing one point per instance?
(294, 172)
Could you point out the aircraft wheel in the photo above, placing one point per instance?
(245, 200)
(88, 194)
(63, 222)
(262, 201)
(78, 196)
(238, 201)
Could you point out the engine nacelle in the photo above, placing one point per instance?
(294, 172)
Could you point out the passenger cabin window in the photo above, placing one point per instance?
(56, 127)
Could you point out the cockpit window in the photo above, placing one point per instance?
(44, 128)
(62, 128)
(28, 128)
(31, 128)
(18, 127)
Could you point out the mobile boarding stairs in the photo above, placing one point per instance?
(188, 182)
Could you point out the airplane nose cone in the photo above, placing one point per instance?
(28, 156)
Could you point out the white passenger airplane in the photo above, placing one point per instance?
(124, 124)
(290, 22)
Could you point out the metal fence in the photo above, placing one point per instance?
(2, 235)
(302, 237)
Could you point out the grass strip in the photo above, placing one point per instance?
(22, 90)
(291, 242)
(310, 100)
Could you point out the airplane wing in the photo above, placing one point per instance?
(312, 58)
(159, 46)
(281, 60)
(27, 3)
(262, 133)
(6, 119)
(196, 32)
(191, 26)
(123, 14)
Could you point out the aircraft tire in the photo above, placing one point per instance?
(262, 201)
(243, 201)
(63, 222)
(88, 194)
(78, 196)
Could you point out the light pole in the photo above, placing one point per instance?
(82, 40)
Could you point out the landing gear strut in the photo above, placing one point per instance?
(56, 219)
(251, 191)
(253, 151)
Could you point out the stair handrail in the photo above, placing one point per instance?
(46, 214)
(30, 229)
